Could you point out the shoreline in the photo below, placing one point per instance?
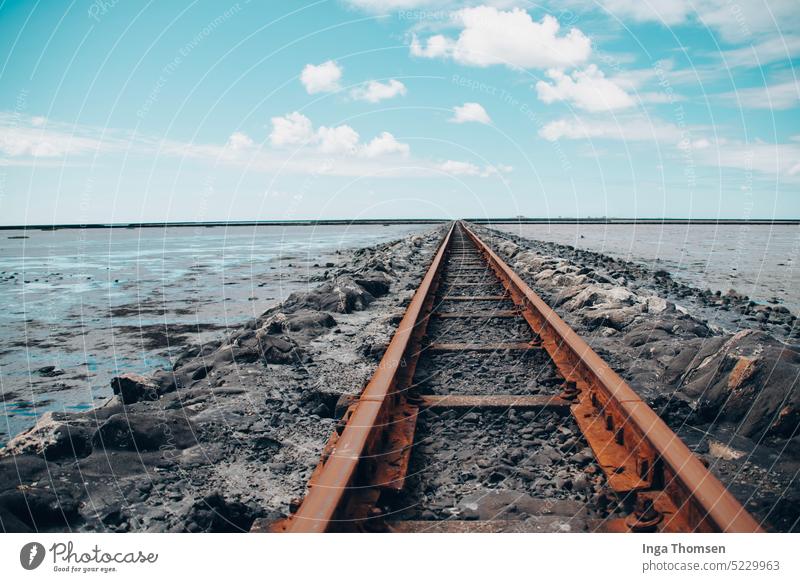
(390, 221)
(247, 414)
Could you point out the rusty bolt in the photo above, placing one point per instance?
(645, 518)
(570, 391)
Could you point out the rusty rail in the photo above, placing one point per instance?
(636, 449)
(646, 464)
(342, 480)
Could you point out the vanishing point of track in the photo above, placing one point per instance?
(471, 307)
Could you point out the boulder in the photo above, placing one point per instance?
(614, 317)
(145, 432)
(134, 388)
(56, 435)
(377, 283)
(605, 295)
(278, 349)
(37, 510)
(311, 323)
(659, 305)
(752, 379)
(342, 295)
(241, 354)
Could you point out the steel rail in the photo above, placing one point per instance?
(369, 418)
(670, 476)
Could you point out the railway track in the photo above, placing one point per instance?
(489, 413)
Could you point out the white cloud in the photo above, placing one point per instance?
(385, 144)
(22, 144)
(322, 78)
(588, 89)
(291, 129)
(773, 159)
(625, 129)
(23, 136)
(341, 139)
(782, 159)
(239, 141)
(778, 96)
(736, 21)
(667, 12)
(374, 91)
(779, 47)
(436, 46)
(457, 168)
(470, 112)
(507, 37)
(296, 129)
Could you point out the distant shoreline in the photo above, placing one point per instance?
(389, 221)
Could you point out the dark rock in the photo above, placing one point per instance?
(145, 432)
(134, 388)
(311, 322)
(278, 350)
(36, 510)
(215, 514)
(342, 295)
(245, 354)
(50, 371)
(377, 283)
(752, 380)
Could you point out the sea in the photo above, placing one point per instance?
(80, 306)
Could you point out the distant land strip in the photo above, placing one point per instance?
(390, 221)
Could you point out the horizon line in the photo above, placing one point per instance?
(367, 221)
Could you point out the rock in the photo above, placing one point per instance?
(605, 295)
(56, 435)
(167, 381)
(377, 283)
(312, 322)
(659, 305)
(134, 388)
(196, 369)
(510, 504)
(614, 317)
(278, 350)
(240, 354)
(50, 371)
(508, 248)
(583, 457)
(342, 295)
(36, 510)
(215, 514)
(751, 380)
(145, 432)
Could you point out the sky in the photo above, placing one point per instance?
(133, 111)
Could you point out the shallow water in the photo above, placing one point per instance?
(97, 303)
(761, 261)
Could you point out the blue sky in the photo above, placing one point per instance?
(115, 111)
